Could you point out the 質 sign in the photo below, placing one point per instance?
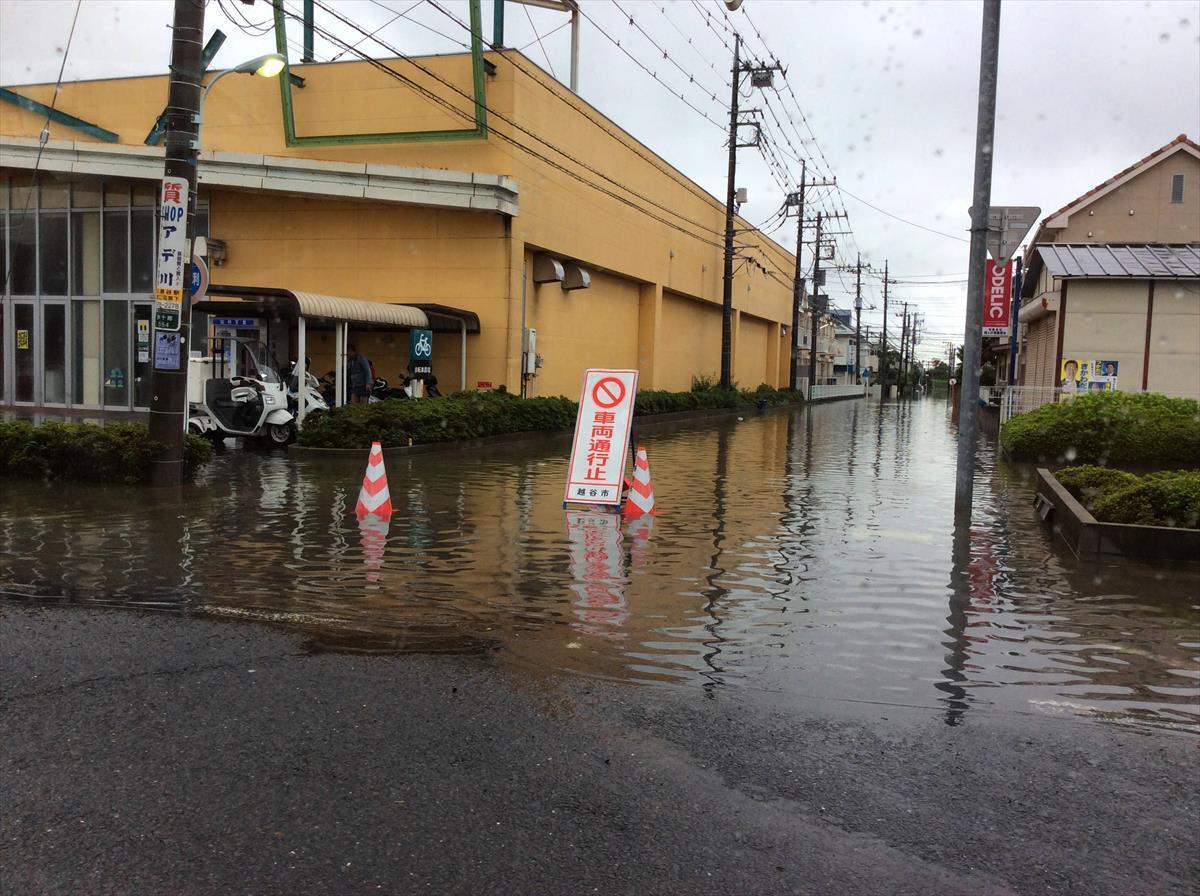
(173, 254)
(601, 437)
(997, 302)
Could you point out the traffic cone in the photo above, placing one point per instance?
(373, 497)
(640, 499)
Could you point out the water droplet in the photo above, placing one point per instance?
(1164, 38)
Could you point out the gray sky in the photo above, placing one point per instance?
(888, 88)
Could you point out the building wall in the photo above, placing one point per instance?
(1154, 218)
(1175, 339)
(692, 343)
(1106, 320)
(588, 193)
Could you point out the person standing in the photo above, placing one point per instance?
(360, 376)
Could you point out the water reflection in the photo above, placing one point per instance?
(811, 553)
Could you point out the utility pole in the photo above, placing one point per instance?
(812, 311)
(731, 189)
(168, 383)
(760, 76)
(985, 130)
(883, 365)
(903, 348)
(857, 318)
(798, 280)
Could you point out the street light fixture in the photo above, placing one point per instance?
(268, 66)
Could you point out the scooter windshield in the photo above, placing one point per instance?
(256, 359)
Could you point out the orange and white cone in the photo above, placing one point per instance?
(640, 499)
(374, 497)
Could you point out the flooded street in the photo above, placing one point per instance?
(803, 555)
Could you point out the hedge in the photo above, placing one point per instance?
(1122, 428)
(472, 415)
(87, 452)
(1169, 498)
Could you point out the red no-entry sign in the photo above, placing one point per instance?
(608, 392)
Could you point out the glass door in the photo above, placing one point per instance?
(54, 353)
(24, 347)
(116, 353)
(141, 355)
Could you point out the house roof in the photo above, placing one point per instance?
(1121, 262)
(1180, 143)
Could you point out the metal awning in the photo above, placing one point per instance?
(445, 318)
(1125, 262)
(315, 307)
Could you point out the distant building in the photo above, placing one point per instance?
(1111, 291)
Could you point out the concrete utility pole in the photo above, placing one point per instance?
(798, 280)
(168, 385)
(857, 318)
(985, 128)
(760, 76)
(903, 348)
(812, 311)
(883, 365)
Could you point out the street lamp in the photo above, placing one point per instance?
(268, 66)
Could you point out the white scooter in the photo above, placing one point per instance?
(237, 391)
(313, 399)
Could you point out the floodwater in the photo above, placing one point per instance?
(809, 554)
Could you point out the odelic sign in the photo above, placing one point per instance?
(601, 437)
(997, 304)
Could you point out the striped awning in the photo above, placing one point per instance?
(314, 307)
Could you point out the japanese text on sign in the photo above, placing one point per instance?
(997, 290)
(601, 437)
(173, 254)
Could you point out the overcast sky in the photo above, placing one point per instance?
(888, 88)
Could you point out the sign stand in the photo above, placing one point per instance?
(596, 471)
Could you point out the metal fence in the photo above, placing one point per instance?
(1016, 400)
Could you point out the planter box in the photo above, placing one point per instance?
(1089, 538)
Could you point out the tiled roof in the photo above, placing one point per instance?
(1128, 262)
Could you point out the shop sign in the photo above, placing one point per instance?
(601, 437)
(420, 345)
(483, 384)
(173, 254)
(997, 301)
(199, 282)
(23, 340)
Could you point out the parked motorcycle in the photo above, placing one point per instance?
(314, 399)
(237, 391)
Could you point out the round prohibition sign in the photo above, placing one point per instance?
(608, 392)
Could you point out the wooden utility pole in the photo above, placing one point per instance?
(168, 380)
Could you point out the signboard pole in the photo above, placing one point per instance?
(985, 130)
(168, 381)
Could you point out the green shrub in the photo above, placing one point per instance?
(1160, 499)
(1135, 429)
(1087, 483)
(116, 452)
(472, 415)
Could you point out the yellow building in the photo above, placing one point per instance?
(527, 211)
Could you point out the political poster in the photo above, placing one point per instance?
(1088, 375)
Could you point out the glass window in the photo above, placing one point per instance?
(85, 321)
(54, 353)
(141, 356)
(22, 197)
(3, 342)
(22, 239)
(3, 253)
(142, 232)
(53, 195)
(52, 253)
(1177, 188)
(85, 196)
(116, 251)
(116, 353)
(3, 193)
(145, 194)
(85, 253)
(116, 195)
(23, 348)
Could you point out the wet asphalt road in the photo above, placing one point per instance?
(156, 754)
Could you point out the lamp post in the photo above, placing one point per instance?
(185, 105)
